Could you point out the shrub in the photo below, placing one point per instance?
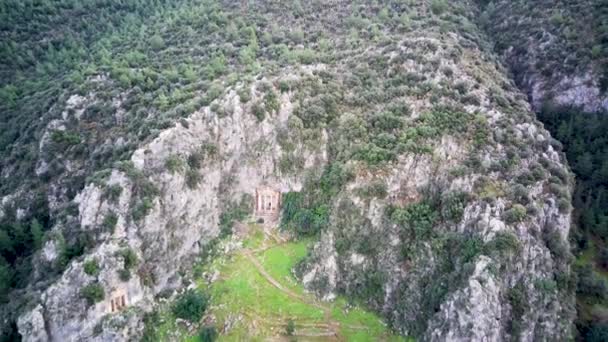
(452, 205)
(190, 306)
(157, 42)
(65, 138)
(93, 293)
(505, 242)
(141, 209)
(174, 164)
(193, 178)
(591, 284)
(556, 245)
(376, 188)
(244, 94)
(517, 213)
(91, 267)
(208, 334)
(290, 328)
(438, 6)
(129, 257)
(109, 222)
(416, 220)
(234, 212)
(258, 111)
(113, 192)
(519, 305)
(124, 274)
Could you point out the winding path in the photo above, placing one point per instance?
(333, 327)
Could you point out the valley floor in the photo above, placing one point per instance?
(254, 295)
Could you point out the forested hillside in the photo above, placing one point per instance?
(417, 185)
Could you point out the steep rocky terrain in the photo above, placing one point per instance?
(557, 50)
(395, 133)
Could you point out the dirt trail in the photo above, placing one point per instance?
(331, 327)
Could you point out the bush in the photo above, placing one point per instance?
(452, 206)
(193, 178)
(517, 213)
(129, 257)
(208, 334)
(91, 267)
(258, 111)
(93, 293)
(109, 222)
(190, 306)
(113, 192)
(416, 220)
(290, 328)
(376, 188)
(141, 209)
(438, 6)
(174, 164)
(124, 274)
(234, 212)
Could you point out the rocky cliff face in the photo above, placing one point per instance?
(554, 49)
(450, 216)
(183, 209)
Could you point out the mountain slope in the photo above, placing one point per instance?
(398, 139)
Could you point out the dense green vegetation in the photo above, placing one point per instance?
(191, 306)
(574, 35)
(266, 310)
(585, 140)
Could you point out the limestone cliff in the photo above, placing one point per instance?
(445, 204)
(240, 154)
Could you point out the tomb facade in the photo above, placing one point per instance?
(267, 204)
(118, 301)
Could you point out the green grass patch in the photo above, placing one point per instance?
(260, 311)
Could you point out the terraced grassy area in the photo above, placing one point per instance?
(257, 292)
(255, 295)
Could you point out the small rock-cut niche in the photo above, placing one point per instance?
(267, 203)
(118, 302)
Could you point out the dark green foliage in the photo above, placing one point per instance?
(91, 267)
(6, 279)
(271, 102)
(129, 257)
(65, 138)
(234, 212)
(307, 213)
(174, 164)
(515, 214)
(597, 333)
(518, 300)
(438, 6)
(416, 220)
(452, 206)
(208, 334)
(373, 189)
(504, 243)
(151, 321)
(301, 216)
(109, 222)
(193, 178)
(591, 284)
(258, 111)
(113, 192)
(93, 293)
(191, 306)
(141, 209)
(290, 328)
